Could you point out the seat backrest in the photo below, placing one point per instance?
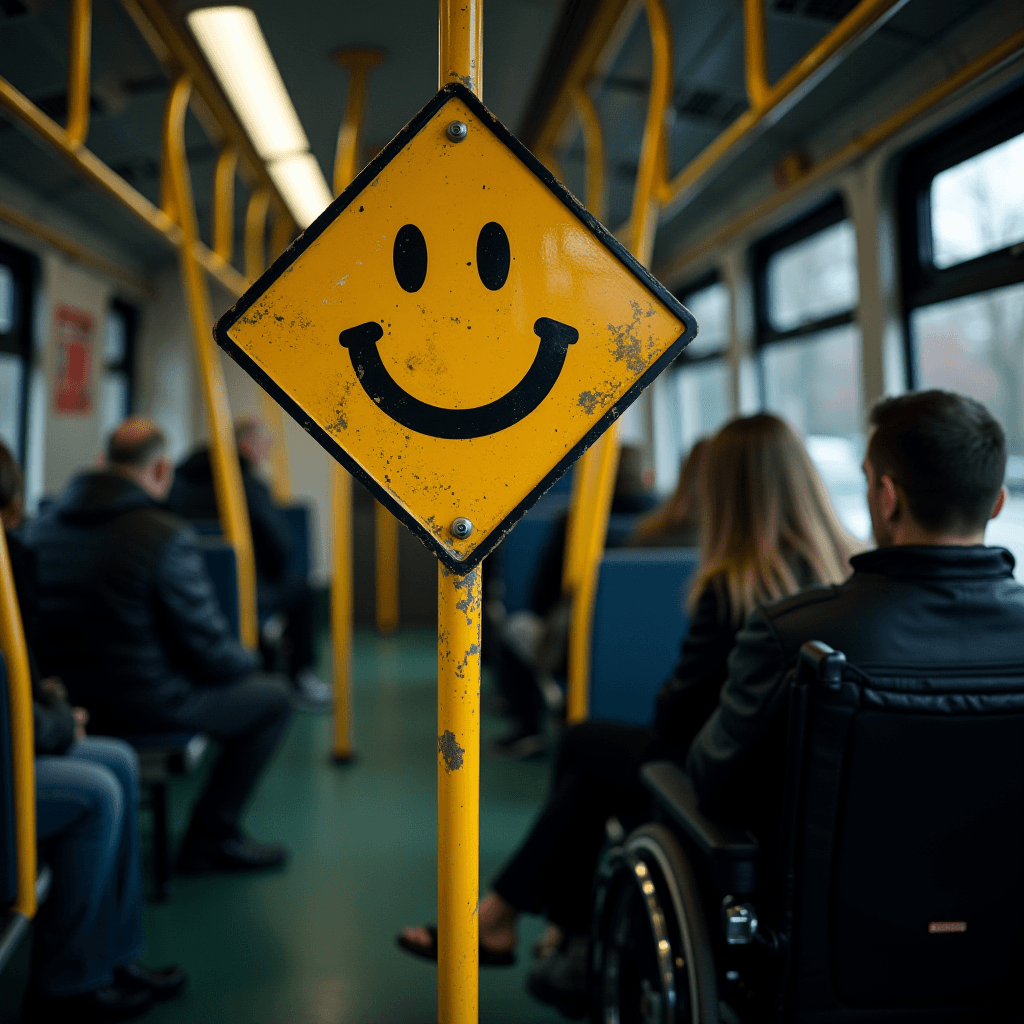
(521, 551)
(222, 567)
(639, 622)
(8, 849)
(907, 843)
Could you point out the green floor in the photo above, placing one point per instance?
(315, 943)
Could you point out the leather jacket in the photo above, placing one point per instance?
(127, 615)
(904, 610)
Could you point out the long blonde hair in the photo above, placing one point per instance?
(682, 507)
(766, 518)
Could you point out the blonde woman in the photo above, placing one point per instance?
(767, 530)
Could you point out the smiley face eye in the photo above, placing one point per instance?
(493, 257)
(410, 257)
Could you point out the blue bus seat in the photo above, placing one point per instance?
(223, 571)
(522, 549)
(300, 524)
(620, 528)
(639, 623)
(206, 527)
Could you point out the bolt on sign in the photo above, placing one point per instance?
(456, 329)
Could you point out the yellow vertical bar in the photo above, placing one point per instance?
(460, 58)
(19, 700)
(593, 148)
(458, 795)
(79, 60)
(386, 544)
(346, 156)
(755, 55)
(590, 518)
(341, 614)
(224, 203)
(227, 475)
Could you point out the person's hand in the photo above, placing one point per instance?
(81, 721)
(53, 688)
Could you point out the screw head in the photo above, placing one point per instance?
(457, 131)
(461, 528)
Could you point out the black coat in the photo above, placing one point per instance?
(128, 617)
(192, 497)
(53, 721)
(903, 609)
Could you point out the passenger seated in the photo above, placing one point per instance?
(130, 621)
(931, 596)
(279, 591)
(89, 932)
(767, 530)
(675, 523)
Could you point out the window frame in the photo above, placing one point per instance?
(684, 359)
(18, 342)
(126, 365)
(924, 284)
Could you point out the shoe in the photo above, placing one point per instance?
(239, 853)
(520, 746)
(560, 980)
(311, 692)
(485, 958)
(162, 983)
(100, 1006)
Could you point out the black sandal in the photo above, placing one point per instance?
(488, 957)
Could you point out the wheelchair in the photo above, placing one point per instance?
(899, 891)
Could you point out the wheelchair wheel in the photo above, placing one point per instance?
(651, 957)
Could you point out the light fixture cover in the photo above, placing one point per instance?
(301, 182)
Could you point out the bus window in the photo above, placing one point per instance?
(116, 384)
(15, 346)
(962, 195)
(809, 348)
(699, 389)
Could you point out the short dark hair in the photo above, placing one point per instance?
(12, 484)
(948, 454)
(136, 443)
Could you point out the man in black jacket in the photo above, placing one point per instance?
(280, 591)
(129, 620)
(930, 595)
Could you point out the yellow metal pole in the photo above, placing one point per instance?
(359, 63)
(19, 700)
(593, 148)
(755, 55)
(459, 602)
(458, 795)
(224, 203)
(591, 516)
(227, 475)
(79, 52)
(386, 544)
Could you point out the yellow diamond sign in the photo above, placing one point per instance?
(455, 328)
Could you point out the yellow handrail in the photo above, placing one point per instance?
(592, 515)
(593, 148)
(755, 46)
(79, 50)
(227, 475)
(19, 698)
(224, 203)
(359, 63)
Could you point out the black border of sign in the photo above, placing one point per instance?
(454, 90)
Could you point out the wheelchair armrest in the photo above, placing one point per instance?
(731, 853)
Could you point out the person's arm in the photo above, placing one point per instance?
(690, 694)
(751, 698)
(191, 616)
(54, 724)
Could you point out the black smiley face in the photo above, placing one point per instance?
(493, 261)
(493, 257)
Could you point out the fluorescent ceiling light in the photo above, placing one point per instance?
(234, 45)
(301, 182)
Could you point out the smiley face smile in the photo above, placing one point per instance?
(493, 262)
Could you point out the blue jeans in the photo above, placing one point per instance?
(87, 819)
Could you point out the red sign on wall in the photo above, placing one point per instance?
(73, 370)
